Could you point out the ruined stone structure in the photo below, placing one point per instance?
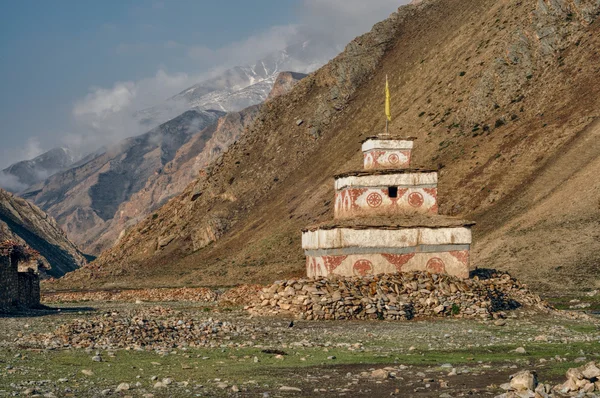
(386, 220)
(19, 277)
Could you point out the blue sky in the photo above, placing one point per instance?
(55, 54)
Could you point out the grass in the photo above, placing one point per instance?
(238, 366)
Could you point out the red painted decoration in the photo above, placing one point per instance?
(362, 267)
(436, 266)
(374, 199)
(415, 199)
(462, 256)
(398, 259)
(332, 262)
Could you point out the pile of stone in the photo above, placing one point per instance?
(583, 381)
(240, 295)
(185, 294)
(144, 330)
(396, 297)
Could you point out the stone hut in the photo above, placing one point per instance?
(386, 220)
(19, 277)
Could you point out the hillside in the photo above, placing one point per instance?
(25, 223)
(503, 98)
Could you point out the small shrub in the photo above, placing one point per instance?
(455, 310)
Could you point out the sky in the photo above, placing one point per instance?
(62, 61)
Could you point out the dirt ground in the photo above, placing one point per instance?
(266, 357)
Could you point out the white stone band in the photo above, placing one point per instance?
(386, 144)
(388, 180)
(347, 237)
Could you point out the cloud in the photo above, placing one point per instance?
(248, 50)
(107, 115)
(31, 149)
(10, 182)
(101, 102)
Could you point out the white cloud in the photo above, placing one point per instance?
(107, 115)
(101, 102)
(32, 148)
(10, 182)
(248, 50)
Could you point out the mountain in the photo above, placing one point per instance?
(242, 86)
(189, 163)
(86, 196)
(504, 100)
(101, 196)
(25, 223)
(200, 151)
(284, 83)
(22, 175)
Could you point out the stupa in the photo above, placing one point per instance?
(386, 220)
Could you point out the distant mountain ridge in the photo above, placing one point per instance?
(85, 197)
(29, 172)
(242, 86)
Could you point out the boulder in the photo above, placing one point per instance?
(524, 380)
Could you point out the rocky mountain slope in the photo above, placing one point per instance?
(26, 173)
(503, 98)
(25, 223)
(195, 155)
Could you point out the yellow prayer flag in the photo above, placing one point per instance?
(388, 113)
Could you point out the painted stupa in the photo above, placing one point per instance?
(386, 220)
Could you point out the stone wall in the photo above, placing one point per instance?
(18, 290)
(451, 262)
(386, 154)
(9, 284)
(29, 289)
(360, 252)
(361, 202)
(386, 159)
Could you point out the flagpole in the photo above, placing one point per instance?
(387, 106)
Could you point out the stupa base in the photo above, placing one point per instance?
(436, 244)
(385, 261)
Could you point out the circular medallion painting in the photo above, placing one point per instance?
(394, 158)
(415, 199)
(362, 267)
(436, 266)
(374, 199)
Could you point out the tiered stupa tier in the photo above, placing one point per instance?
(386, 220)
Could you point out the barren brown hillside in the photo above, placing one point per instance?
(504, 98)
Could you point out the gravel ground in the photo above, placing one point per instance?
(261, 356)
